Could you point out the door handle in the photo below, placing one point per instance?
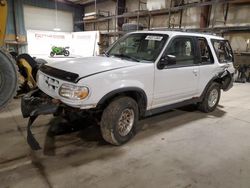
(195, 72)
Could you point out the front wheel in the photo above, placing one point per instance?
(211, 98)
(119, 119)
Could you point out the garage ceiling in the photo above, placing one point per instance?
(84, 2)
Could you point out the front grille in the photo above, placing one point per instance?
(48, 84)
(52, 83)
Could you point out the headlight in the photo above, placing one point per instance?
(73, 91)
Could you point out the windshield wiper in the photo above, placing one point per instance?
(126, 56)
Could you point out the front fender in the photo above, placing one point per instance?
(127, 79)
(123, 90)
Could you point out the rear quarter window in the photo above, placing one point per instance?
(223, 50)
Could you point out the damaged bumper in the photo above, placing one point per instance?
(227, 80)
(34, 104)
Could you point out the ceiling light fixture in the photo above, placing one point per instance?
(56, 28)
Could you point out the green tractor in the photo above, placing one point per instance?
(59, 51)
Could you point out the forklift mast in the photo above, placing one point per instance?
(3, 20)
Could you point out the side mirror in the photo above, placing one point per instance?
(167, 60)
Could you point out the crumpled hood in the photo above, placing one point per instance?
(92, 65)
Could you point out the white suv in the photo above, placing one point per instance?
(141, 74)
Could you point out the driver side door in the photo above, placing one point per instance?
(178, 81)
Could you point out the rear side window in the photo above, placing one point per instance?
(205, 52)
(223, 51)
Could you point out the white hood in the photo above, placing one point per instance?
(91, 65)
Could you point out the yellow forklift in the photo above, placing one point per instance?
(8, 68)
(12, 68)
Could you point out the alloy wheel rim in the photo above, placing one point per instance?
(126, 121)
(213, 98)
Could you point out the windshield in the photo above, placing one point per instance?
(139, 46)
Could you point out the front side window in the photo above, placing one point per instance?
(183, 50)
(223, 51)
(139, 46)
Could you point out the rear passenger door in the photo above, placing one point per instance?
(207, 63)
(177, 82)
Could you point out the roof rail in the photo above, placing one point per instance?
(194, 30)
(168, 29)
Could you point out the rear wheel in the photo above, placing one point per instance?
(66, 53)
(119, 119)
(211, 98)
(8, 78)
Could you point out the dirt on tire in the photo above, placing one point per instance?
(110, 118)
(203, 106)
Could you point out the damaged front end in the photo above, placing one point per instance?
(34, 104)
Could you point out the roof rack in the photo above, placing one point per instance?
(194, 30)
(168, 29)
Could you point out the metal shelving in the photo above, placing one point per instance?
(167, 11)
(174, 8)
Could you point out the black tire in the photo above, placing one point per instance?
(66, 53)
(204, 105)
(8, 78)
(111, 116)
(52, 54)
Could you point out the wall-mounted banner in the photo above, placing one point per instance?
(85, 43)
(81, 44)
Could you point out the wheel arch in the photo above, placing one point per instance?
(136, 93)
(224, 79)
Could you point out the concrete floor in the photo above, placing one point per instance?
(181, 148)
